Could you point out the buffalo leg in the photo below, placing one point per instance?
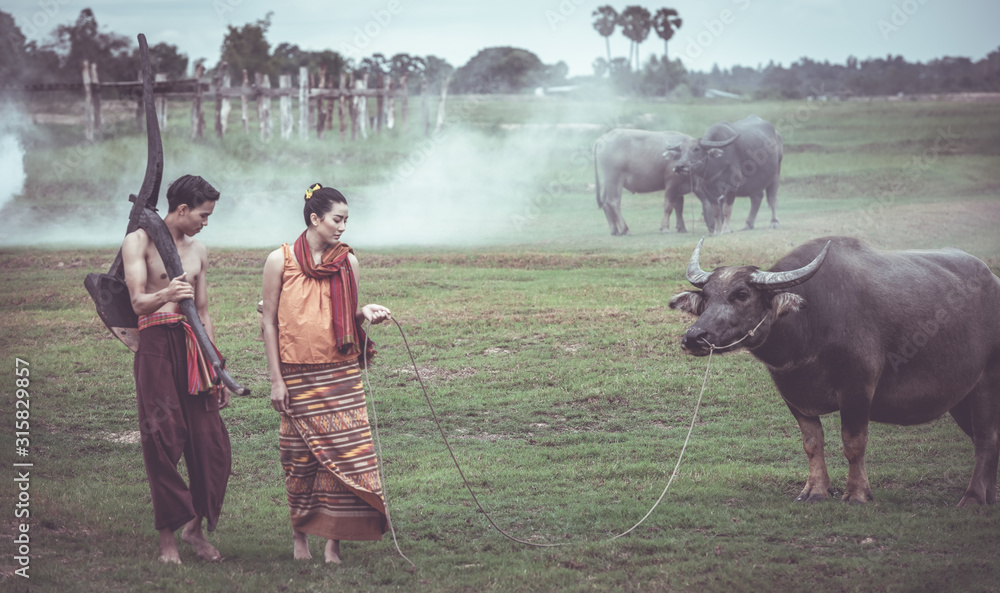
(726, 206)
(854, 433)
(675, 203)
(986, 438)
(818, 483)
(708, 212)
(613, 206)
(755, 200)
(668, 207)
(772, 201)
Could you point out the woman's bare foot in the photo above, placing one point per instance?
(168, 548)
(300, 546)
(193, 535)
(332, 551)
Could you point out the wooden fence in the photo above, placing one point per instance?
(319, 102)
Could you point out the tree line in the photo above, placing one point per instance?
(891, 75)
(497, 69)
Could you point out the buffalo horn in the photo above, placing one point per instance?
(695, 274)
(718, 143)
(783, 280)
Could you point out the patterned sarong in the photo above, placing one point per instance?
(331, 472)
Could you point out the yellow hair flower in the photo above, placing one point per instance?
(309, 192)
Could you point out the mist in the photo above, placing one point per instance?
(461, 186)
(12, 174)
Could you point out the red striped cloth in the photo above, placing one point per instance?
(336, 266)
(201, 376)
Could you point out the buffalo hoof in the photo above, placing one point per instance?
(858, 497)
(972, 498)
(812, 498)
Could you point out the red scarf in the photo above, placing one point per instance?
(336, 266)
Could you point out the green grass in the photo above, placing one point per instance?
(552, 361)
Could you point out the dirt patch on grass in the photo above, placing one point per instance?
(429, 373)
(129, 437)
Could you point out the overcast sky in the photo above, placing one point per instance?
(723, 32)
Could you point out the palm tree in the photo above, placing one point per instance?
(665, 22)
(605, 23)
(636, 22)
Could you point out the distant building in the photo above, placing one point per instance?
(716, 93)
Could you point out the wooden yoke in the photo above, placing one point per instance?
(109, 291)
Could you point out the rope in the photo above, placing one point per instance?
(468, 487)
(749, 334)
(378, 453)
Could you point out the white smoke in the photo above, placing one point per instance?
(458, 187)
(12, 174)
(469, 184)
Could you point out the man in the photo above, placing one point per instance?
(178, 405)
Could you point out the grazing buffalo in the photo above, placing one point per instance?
(634, 159)
(741, 158)
(888, 336)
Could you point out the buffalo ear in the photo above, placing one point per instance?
(715, 152)
(690, 301)
(786, 302)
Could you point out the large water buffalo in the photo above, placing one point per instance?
(900, 337)
(634, 160)
(741, 158)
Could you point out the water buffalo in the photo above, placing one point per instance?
(741, 158)
(887, 336)
(634, 159)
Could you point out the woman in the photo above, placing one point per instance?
(313, 340)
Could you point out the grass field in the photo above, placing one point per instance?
(551, 357)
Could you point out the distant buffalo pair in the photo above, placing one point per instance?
(741, 158)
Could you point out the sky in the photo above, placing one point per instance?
(723, 32)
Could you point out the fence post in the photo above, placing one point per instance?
(244, 99)
(352, 106)
(362, 100)
(425, 110)
(390, 105)
(95, 95)
(320, 104)
(285, 101)
(197, 115)
(342, 104)
(303, 103)
(405, 108)
(444, 96)
(161, 104)
(264, 105)
(88, 104)
(379, 102)
(331, 103)
(221, 103)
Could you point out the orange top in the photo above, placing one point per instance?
(305, 317)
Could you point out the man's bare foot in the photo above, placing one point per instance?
(193, 535)
(300, 546)
(168, 548)
(332, 551)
